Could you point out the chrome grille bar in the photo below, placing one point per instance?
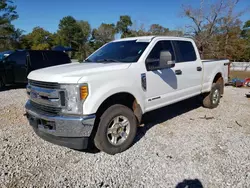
(46, 97)
(44, 108)
(49, 85)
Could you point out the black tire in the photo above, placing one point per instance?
(212, 99)
(101, 139)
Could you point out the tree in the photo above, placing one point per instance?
(7, 12)
(122, 26)
(207, 23)
(38, 39)
(103, 34)
(69, 31)
(246, 37)
(7, 15)
(246, 30)
(84, 35)
(156, 29)
(16, 38)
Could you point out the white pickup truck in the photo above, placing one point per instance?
(102, 100)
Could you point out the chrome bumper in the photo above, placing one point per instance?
(60, 126)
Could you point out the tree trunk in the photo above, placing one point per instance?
(226, 43)
(201, 51)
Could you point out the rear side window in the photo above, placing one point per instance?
(36, 59)
(56, 58)
(184, 51)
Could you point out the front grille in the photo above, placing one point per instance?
(49, 85)
(47, 109)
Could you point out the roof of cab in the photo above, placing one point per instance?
(149, 38)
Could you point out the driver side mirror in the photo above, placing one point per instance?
(166, 59)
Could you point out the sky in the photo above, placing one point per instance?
(47, 13)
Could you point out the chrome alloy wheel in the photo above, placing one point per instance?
(118, 130)
(216, 96)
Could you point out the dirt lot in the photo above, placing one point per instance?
(183, 144)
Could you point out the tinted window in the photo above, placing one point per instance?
(18, 57)
(42, 59)
(184, 51)
(56, 58)
(154, 55)
(36, 59)
(123, 51)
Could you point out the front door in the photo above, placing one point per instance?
(162, 84)
(170, 85)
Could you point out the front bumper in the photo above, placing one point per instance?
(68, 131)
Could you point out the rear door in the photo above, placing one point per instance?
(188, 69)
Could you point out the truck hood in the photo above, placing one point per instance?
(71, 73)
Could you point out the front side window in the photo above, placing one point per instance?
(154, 55)
(184, 51)
(121, 51)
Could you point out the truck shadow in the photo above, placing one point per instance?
(161, 115)
(190, 183)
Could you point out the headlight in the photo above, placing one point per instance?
(74, 98)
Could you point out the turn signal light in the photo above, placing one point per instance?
(84, 92)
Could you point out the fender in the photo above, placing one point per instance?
(101, 93)
(217, 70)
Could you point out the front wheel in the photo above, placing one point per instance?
(116, 130)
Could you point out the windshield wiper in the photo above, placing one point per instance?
(107, 60)
(87, 60)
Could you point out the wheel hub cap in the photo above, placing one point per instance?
(216, 96)
(118, 130)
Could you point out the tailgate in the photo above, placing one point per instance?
(226, 71)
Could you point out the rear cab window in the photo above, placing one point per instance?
(184, 51)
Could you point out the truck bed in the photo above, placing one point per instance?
(210, 66)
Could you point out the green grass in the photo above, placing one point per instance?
(239, 74)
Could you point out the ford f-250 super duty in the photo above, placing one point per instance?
(102, 100)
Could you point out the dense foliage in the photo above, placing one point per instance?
(216, 29)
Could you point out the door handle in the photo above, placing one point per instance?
(178, 72)
(199, 69)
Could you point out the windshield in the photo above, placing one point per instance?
(123, 51)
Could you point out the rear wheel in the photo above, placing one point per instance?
(212, 99)
(116, 130)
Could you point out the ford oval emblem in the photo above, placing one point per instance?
(33, 95)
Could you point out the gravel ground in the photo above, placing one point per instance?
(183, 144)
